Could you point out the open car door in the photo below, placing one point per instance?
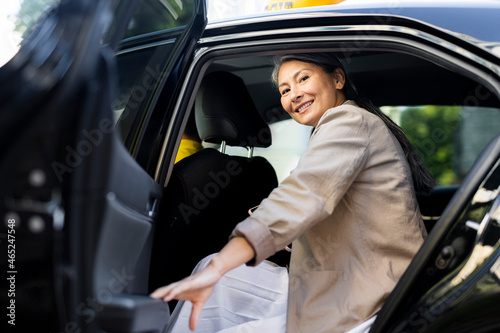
(78, 208)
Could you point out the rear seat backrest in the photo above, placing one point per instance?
(210, 192)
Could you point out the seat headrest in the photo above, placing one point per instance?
(225, 111)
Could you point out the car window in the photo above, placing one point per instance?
(290, 140)
(448, 138)
(153, 16)
(149, 40)
(137, 74)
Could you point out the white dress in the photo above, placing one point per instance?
(246, 299)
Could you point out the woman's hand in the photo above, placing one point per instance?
(196, 289)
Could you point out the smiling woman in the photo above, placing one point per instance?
(356, 180)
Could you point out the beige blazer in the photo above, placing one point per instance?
(350, 209)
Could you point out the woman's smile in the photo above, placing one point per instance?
(303, 107)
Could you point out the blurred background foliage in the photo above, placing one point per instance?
(432, 130)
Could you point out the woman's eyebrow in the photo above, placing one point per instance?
(294, 76)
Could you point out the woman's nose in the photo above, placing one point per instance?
(295, 94)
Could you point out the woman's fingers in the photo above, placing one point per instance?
(186, 288)
(195, 315)
(196, 289)
(167, 293)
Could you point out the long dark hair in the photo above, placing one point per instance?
(422, 180)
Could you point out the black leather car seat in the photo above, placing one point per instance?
(210, 192)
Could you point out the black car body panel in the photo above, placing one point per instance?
(79, 209)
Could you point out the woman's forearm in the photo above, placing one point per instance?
(235, 253)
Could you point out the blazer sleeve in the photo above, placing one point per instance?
(334, 158)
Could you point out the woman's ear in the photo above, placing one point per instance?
(339, 78)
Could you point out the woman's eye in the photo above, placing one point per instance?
(302, 79)
(284, 92)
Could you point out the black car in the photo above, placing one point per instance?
(92, 111)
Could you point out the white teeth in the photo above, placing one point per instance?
(304, 106)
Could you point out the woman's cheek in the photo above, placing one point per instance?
(285, 104)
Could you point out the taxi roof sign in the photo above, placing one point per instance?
(280, 5)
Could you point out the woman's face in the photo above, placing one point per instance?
(307, 91)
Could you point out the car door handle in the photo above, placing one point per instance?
(134, 314)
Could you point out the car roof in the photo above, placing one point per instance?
(475, 18)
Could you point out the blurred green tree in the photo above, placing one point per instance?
(431, 129)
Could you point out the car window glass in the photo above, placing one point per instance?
(290, 140)
(148, 42)
(158, 15)
(448, 138)
(136, 75)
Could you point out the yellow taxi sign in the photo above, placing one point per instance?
(280, 5)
